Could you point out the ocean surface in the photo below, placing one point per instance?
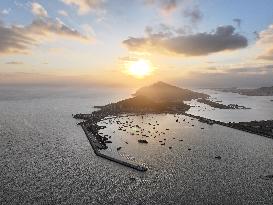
(261, 107)
(45, 158)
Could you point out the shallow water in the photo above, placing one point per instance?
(261, 107)
(46, 159)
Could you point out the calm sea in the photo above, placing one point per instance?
(46, 159)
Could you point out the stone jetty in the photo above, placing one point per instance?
(97, 144)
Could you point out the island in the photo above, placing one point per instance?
(157, 98)
(161, 92)
(263, 91)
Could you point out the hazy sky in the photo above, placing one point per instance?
(190, 42)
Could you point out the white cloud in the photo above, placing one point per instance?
(88, 30)
(265, 41)
(5, 11)
(20, 39)
(38, 10)
(62, 13)
(84, 6)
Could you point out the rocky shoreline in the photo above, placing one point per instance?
(263, 128)
(219, 105)
(98, 142)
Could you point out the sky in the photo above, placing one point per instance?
(193, 43)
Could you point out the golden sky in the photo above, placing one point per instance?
(130, 43)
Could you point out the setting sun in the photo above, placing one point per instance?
(140, 69)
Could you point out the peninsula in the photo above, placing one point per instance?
(155, 99)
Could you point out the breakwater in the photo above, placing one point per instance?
(98, 143)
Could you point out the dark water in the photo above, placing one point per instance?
(46, 159)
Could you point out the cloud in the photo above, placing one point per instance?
(266, 36)
(161, 31)
(238, 22)
(44, 27)
(88, 30)
(5, 11)
(166, 6)
(235, 77)
(128, 59)
(14, 63)
(13, 40)
(265, 41)
(194, 14)
(62, 13)
(84, 6)
(268, 55)
(252, 70)
(224, 38)
(19, 39)
(38, 10)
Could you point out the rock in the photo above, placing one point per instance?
(218, 157)
(170, 147)
(189, 149)
(143, 141)
(180, 140)
(118, 148)
(163, 144)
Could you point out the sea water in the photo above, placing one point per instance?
(45, 158)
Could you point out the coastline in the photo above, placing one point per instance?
(95, 145)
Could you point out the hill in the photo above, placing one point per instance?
(163, 92)
(143, 104)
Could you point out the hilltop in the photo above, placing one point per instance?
(163, 92)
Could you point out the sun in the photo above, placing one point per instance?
(140, 69)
